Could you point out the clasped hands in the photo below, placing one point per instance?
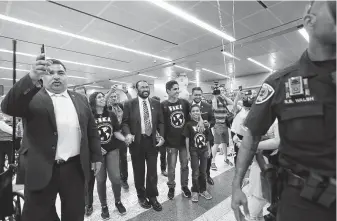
(131, 138)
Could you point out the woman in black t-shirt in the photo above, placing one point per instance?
(108, 129)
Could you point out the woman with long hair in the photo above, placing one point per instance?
(108, 129)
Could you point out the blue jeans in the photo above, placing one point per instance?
(199, 166)
(110, 165)
(172, 155)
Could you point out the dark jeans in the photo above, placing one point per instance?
(145, 152)
(199, 165)
(162, 151)
(110, 166)
(123, 161)
(292, 207)
(172, 155)
(68, 181)
(5, 150)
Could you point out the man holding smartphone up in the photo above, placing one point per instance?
(62, 139)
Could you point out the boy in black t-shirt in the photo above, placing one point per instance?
(175, 111)
(198, 151)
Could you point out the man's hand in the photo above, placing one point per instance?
(40, 68)
(206, 124)
(239, 199)
(209, 153)
(125, 89)
(96, 167)
(160, 141)
(201, 127)
(103, 151)
(129, 139)
(188, 156)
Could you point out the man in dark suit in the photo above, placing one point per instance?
(209, 121)
(142, 117)
(61, 137)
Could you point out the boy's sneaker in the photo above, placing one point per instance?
(213, 167)
(105, 213)
(170, 194)
(206, 195)
(228, 162)
(195, 197)
(121, 209)
(186, 191)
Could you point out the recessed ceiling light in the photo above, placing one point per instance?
(258, 63)
(149, 76)
(7, 79)
(230, 55)
(304, 33)
(53, 30)
(6, 68)
(93, 86)
(213, 72)
(190, 18)
(72, 76)
(187, 69)
(118, 81)
(66, 61)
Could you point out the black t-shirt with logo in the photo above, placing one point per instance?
(175, 117)
(107, 124)
(198, 141)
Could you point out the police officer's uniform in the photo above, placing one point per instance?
(303, 99)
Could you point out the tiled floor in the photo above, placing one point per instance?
(178, 209)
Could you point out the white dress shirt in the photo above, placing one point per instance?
(199, 104)
(142, 112)
(68, 127)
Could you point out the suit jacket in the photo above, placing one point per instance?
(207, 113)
(35, 106)
(131, 123)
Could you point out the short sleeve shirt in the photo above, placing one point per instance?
(197, 140)
(175, 117)
(307, 123)
(107, 124)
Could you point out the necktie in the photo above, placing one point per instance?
(147, 122)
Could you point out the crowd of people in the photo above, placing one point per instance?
(69, 140)
(93, 134)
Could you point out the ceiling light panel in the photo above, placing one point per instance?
(184, 68)
(258, 63)
(148, 76)
(66, 61)
(304, 34)
(95, 41)
(182, 14)
(213, 72)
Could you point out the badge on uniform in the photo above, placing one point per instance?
(297, 90)
(265, 93)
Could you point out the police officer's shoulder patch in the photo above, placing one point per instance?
(266, 92)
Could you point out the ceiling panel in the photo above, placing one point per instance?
(194, 43)
(289, 10)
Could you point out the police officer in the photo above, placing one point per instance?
(303, 99)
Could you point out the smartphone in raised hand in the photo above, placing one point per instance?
(43, 51)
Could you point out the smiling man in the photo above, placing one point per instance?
(62, 138)
(175, 111)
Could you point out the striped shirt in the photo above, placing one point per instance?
(221, 113)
